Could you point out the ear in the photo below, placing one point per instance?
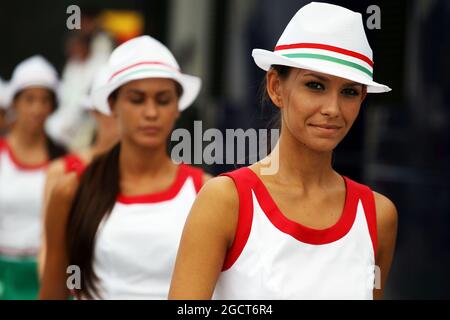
(273, 87)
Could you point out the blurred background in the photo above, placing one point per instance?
(399, 145)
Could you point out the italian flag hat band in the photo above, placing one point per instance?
(323, 52)
(144, 66)
(142, 70)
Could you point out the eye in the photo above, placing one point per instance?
(136, 99)
(350, 92)
(315, 85)
(29, 99)
(164, 100)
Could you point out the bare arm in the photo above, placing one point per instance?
(54, 174)
(387, 234)
(53, 283)
(208, 233)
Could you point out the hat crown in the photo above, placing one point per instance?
(35, 68)
(327, 24)
(144, 58)
(141, 49)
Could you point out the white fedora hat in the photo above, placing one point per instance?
(35, 71)
(140, 58)
(325, 38)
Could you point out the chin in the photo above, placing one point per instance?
(323, 146)
(149, 141)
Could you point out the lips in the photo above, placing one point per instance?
(328, 129)
(150, 130)
(326, 126)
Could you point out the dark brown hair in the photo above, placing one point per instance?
(94, 199)
(275, 120)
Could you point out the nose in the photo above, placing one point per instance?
(38, 109)
(331, 107)
(151, 110)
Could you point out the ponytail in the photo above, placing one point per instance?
(94, 200)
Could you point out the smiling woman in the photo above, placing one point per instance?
(305, 231)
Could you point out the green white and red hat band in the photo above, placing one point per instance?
(348, 58)
(144, 58)
(325, 38)
(142, 66)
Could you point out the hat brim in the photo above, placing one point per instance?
(191, 86)
(265, 59)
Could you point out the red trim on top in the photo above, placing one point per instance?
(74, 163)
(197, 177)
(139, 64)
(21, 166)
(368, 202)
(168, 194)
(245, 219)
(326, 47)
(303, 233)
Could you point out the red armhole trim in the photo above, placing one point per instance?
(73, 163)
(368, 202)
(245, 218)
(197, 177)
(2, 145)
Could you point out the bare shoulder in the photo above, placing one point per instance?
(56, 169)
(216, 208)
(66, 187)
(387, 215)
(219, 192)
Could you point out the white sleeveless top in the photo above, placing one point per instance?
(136, 246)
(273, 257)
(21, 196)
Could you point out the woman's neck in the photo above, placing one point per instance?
(301, 166)
(137, 161)
(26, 139)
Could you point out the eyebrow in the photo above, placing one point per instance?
(135, 91)
(352, 83)
(141, 92)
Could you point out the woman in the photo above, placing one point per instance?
(24, 155)
(106, 136)
(125, 215)
(305, 231)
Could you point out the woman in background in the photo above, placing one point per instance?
(24, 156)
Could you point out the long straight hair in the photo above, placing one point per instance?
(94, 200)
(274, 121)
